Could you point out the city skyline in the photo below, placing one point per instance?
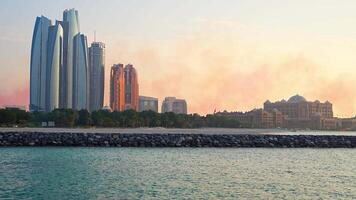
(220, 62)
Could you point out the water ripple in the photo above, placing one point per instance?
(169, 173)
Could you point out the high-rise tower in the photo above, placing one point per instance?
(80, 73)
(59, 76)
(123, 88)
(70, 26)
(97, 75)
(54, 65)
(131, 88)
(38, 64)
(117, 88)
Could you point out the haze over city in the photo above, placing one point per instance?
(225, 56)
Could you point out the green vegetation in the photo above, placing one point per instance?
(102, 118)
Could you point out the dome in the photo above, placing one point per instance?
(296, 99)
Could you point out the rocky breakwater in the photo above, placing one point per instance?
(174, 140)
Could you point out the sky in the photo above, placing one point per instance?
(217, 54)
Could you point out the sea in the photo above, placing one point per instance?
(176, 173)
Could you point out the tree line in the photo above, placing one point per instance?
(103, 118)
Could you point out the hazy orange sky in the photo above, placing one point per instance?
(223, 55)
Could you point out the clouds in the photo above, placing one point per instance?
(214, 72)
(218, 64)
(222, 73)
(341, 91)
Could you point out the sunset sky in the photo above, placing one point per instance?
(217, 54)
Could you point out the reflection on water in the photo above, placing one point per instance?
(170, 173)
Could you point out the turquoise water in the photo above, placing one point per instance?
(171, 173)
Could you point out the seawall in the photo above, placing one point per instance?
(14, 138)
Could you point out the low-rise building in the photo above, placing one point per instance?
(172, 104)
(257, 118)
(15, 107)
(348, 123)
(296, 113)
(148, 103)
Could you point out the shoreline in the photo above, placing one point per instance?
(256, 138)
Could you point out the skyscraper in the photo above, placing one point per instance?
(59, 74)
(54, 65)
(70, 26)
(97, 75)
(117, 88)
(123, 88)
(38, 64)
(80, 73)
(131, 88)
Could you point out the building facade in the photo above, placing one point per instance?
(80, 73)
(97, 75)
(148, 103)
(257, 118)
(348, 123)
(54, 65)
(172, 104)
(298, 108)
(70, 26)
(38, 64)
(117, 88)
(131, 88)
(124, 88)
(59, 74)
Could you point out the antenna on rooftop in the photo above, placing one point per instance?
(94, 36)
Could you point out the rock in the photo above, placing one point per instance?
(173, 140)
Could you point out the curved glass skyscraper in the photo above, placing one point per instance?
(71, 29)
(38, 64)
(54, 65)
(59, 65)
(80, 73)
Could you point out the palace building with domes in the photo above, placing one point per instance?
(298, 108)
(296, 113)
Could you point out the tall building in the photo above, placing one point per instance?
(70, 26)
(172, 104)
(298, 108)
(123, 88)
(38, 64)
(80, 73)
(54, 65)
(148, 103)
(131, 88)
(97, 75)
(117, 88)
(59, 74)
